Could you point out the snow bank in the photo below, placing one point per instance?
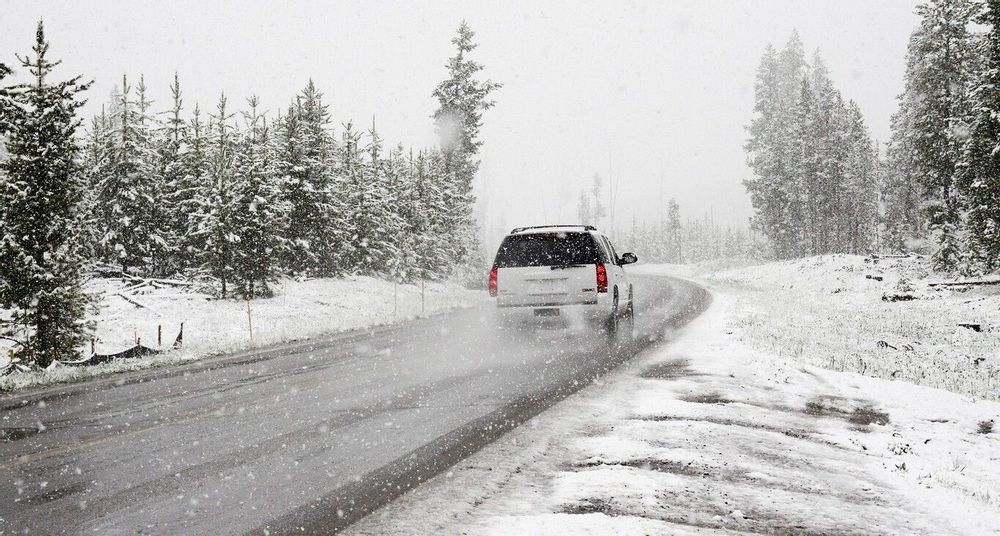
(300, 309)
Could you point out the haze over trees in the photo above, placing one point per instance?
(234, 196)
(814, 164)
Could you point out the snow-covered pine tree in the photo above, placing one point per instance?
(860, 207)
(583, 210)
(431, 244)
(826, 191)
(462, 99)
(800, 185)
(307, 165)
(257, 214)
(216, 225)
(900, 192)
(161, 244)
(180, 186)
(190, 196)
(939, 60)
(399, 204)
(598, 210)
(128, 196)
(351, 171)
(675, 252)
(94, 154)
(41, 196)
(979, 175)
(376, 219)
(400, 168)
(774, 189)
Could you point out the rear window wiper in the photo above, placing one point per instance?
(564, 266)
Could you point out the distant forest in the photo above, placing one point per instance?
(819, 183)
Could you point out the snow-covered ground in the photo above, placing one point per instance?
(708, 434)
(300, 309)
(832, 311)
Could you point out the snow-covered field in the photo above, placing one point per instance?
(709, 435)
(300, 309)
(829, 311)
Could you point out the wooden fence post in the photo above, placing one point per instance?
(249, 320)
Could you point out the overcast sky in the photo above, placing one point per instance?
(655, 93)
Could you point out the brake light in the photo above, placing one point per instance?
(493, 281)
(602, 278)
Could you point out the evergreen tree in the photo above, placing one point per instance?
(188, 198)
(180, 186)
(860, 209)
(372, 217)
(775, 190)
(215, 219)
(583, 210)
(939, 59)
(675, 251)
(41, 196)
(129, 191)
(257, 214)
(980, 173)
(597, 210)
(94, 156)
(306, 162)
(900, 191)
(462, 99)
(813, 188)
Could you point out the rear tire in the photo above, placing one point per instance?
(612, 324)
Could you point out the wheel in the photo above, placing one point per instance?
(627, 335)
(612, 322)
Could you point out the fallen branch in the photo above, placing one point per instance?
(133, 301)
(964, 283)
(171, 282)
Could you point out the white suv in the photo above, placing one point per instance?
(563, 270)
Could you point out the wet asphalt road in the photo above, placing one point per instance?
(302, 437)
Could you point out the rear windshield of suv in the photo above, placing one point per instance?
(547, 249)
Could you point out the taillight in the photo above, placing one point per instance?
(602, 278)
(493, 281)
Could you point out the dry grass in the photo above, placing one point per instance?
(825, 312)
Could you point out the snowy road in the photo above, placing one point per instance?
(306, 436)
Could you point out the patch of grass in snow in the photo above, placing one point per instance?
(829, 311)
(985, 427)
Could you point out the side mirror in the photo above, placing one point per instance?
(628, 258)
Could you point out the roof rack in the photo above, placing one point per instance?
(584, 227)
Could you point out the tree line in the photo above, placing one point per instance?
(942, 167)
(815, 167)
(821, 186)
(230, 195)
(673, 240)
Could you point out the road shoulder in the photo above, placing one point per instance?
(705, 435)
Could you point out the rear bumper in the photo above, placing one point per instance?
(584, 312)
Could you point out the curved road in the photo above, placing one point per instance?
(307, 436)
